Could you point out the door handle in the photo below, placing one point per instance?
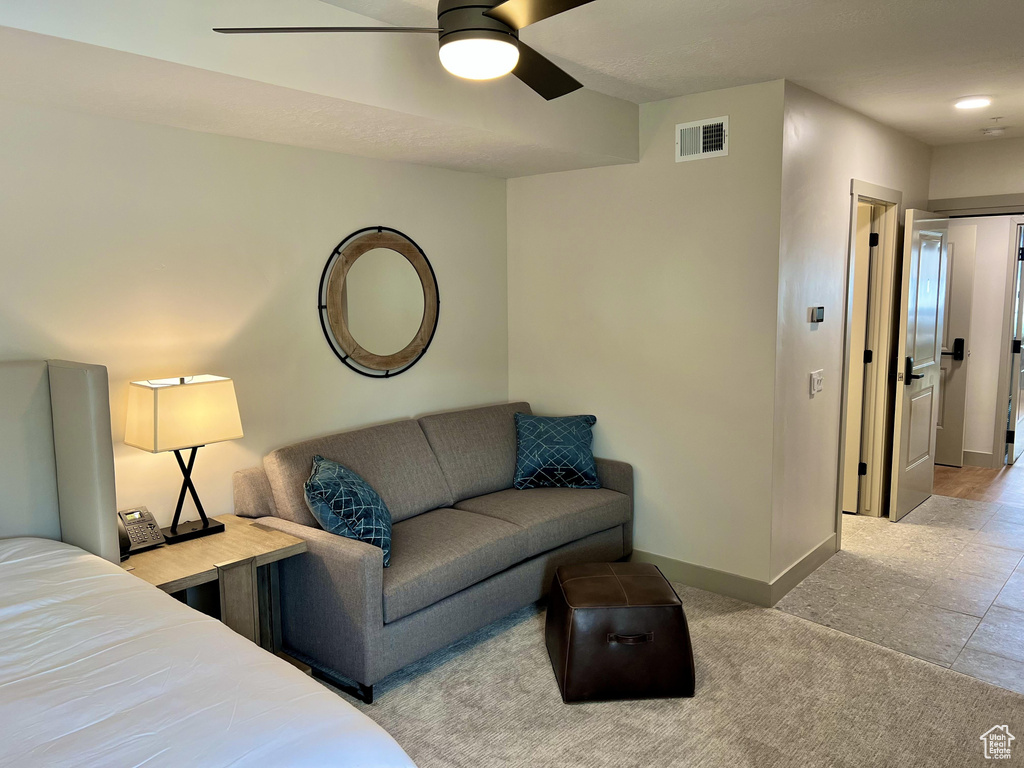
(958, 350)
(908, 372)
(646, 637)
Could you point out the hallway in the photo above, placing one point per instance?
(1005, 485)
(946, 584)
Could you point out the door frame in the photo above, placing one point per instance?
(892, 199)
(1006, 356)
(863, 330)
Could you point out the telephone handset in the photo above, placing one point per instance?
(137, 530)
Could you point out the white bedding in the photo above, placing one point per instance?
(98, 668)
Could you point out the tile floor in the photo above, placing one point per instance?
(945, 584)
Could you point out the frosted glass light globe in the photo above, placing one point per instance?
(479, 58)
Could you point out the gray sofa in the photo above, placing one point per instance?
(467, 548)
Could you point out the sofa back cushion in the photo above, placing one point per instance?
(395, 459)
(476, 448)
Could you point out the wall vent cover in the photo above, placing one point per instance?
(703, 138)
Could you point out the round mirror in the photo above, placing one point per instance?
(384, 300)
(378, 302)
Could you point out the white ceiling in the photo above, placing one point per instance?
(902, 62)
(90, 78)
(383, 96)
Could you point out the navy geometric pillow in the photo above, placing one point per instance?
(555, 452)
(345, 504)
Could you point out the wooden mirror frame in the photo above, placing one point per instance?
(331, 307)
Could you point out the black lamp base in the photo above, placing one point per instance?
(193, 529)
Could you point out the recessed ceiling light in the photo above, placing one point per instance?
(974, 102)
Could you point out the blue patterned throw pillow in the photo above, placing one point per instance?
(555, 452)
(345, 504)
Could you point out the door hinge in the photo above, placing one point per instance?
(1009, 435)
(1020, 254)
(868, 356)
(862, 469)
(873, 241)
(1016, 346)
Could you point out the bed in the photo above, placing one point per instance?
(98, 668)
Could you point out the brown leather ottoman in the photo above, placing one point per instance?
(617, 631)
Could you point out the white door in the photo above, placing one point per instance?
(923, 304)
(949, 434)
(1015, 425)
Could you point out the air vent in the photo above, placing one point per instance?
(704, 138)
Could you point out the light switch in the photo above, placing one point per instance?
(817, 382)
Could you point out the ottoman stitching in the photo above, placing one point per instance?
(625, 594)
(568, 646)
(621, 588)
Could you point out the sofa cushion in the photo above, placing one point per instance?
(476, 448)
(393, 458)
(555, 452)
(439, 553)
(552, 517)
(346, 505)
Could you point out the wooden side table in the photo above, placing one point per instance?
(243, 560)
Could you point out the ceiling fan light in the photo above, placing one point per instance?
(479, 58)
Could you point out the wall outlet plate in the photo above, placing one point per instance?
(817, 382)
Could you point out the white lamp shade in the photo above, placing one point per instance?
(168, 415)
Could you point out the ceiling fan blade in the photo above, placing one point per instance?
(520, 13)
(544, 76)
(289, 30)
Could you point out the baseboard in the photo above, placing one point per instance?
(740, 587)
(722, 582)
(802, 568)
(984, 460)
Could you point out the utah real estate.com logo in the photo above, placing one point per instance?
(998, 742)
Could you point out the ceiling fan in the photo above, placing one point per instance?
(479, 40)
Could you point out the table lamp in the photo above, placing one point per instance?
(179, 414)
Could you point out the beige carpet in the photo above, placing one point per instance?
(772, 690)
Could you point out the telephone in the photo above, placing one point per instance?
(137, 530)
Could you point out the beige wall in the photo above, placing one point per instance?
(653, 295)
(992, 167)
(826, 146)
(646, 294)
(158, 251)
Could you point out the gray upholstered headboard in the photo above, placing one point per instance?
(56, 455)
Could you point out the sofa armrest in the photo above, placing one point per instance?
(615, 475)
(252, 493)
(618, 476)
(332, 600)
